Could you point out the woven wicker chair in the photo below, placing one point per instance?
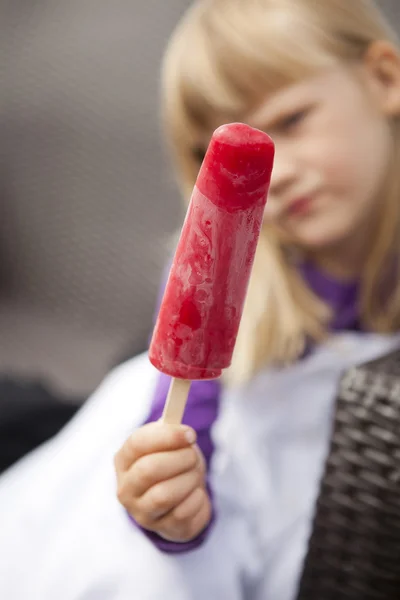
(354, 549)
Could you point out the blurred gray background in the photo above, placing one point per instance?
(87, 199)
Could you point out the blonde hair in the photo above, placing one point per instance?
(223, 58)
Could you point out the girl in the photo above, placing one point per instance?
(324, 81)
(323, 78)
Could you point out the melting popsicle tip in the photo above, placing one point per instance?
(238, 134)
(237, 168)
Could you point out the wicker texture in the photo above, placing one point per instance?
(354, 549)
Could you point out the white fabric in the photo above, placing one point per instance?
(64, 536)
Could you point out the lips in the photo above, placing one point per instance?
(300, 206)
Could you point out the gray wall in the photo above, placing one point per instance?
(86, 198)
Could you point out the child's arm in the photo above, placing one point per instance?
(161, 482)
(162, 476)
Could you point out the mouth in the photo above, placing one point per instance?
(300, 207)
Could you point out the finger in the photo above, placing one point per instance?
(152, 438)
(151, 469)
(202, 460)
(188, 519)
(185, 510)
(165, 496)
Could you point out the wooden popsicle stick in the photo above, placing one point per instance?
(176, 401)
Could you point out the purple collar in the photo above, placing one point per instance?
(341, 296)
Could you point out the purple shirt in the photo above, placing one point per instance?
(203, 401)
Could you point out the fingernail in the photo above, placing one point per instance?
(190, 436)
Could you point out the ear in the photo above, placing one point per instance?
(382, 68)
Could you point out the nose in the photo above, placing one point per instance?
(283, 175)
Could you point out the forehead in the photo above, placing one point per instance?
(327, 84)
(312, 89)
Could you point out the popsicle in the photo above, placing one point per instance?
(197, 325)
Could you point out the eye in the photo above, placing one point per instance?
(291, 121)
(198, 154)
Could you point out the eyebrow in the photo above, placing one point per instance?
(272, 119)
(281, 107)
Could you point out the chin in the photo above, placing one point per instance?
(317, 237)
(317, 243)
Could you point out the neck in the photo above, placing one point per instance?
(337, 270)
(344, 262)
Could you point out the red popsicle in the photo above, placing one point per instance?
(199, 318)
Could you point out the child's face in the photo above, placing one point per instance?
(333, 145)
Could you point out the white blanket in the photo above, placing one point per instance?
(63, 535)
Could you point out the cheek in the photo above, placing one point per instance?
(336, 165)
(354, 165)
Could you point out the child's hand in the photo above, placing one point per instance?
(161, 481)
